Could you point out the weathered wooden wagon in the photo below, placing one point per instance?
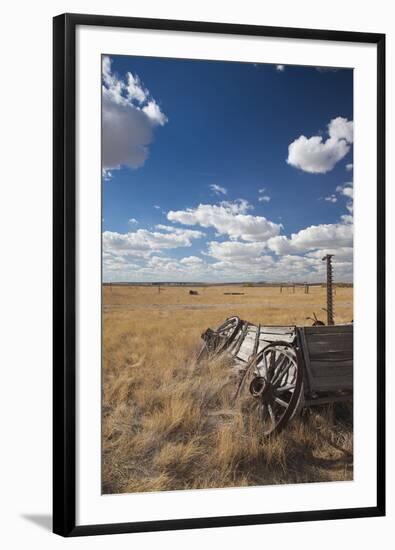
(285, 368)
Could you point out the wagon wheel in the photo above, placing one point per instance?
(226, 333)
(275, 381)
(216, 341)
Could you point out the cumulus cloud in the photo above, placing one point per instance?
(228, 218)
(133, 221)
(191, 261)
(235, 251)
(313, 237)
(254, 249)
(142, 242)
(280, 68)
(341, 128)
(317, 156)
(342, 253)
(349, 167)
(129, 118)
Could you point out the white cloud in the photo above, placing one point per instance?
(263, 198)
(107, 175)
(342, 253)
(234, 251)
(349, 167)
(135, 90)
(317, 156)
(129, 116)
(191, 261)
(347, 218)
(254, 251)
(331, 198)
(280, 68)
(346, 190)
(152, 110)
(156, 206)
(218, 190)
(314, 237)
(142, 242)
(133, 221)
(341, 128)
(228, 218)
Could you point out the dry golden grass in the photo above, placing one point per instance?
(168, 423)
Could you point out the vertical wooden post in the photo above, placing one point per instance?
(329, 288)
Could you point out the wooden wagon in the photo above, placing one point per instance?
(285, 368)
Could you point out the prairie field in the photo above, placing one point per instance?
(163, 420)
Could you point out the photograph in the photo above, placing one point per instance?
(227, 274)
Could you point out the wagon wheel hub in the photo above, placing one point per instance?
(268, 393)
(262, 389)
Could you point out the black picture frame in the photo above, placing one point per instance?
(64, 273)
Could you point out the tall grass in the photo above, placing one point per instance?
(168, 423)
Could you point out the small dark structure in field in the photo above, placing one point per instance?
(233, 293)
(193, 293)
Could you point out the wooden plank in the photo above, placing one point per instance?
(332, 374)
(330, 366)
(333, 341)
(321, 353)
(277, 330)
(322, 384)
(328, 399)
(332, 329)
(330, 337)
(266, 337)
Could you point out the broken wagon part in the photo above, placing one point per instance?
(316, 321)
(216, 342)
(282, 369)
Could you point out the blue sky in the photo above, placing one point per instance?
(222, 171)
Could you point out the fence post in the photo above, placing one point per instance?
(329, 288)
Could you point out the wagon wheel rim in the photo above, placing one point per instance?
(281, 395)
(274, 380)
(227, 333)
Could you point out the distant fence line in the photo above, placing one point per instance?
(247, 284)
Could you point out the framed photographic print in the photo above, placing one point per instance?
(218, 274)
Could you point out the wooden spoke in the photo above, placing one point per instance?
(281, 402)
(288, 387)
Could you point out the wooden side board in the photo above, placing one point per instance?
(328, 357)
